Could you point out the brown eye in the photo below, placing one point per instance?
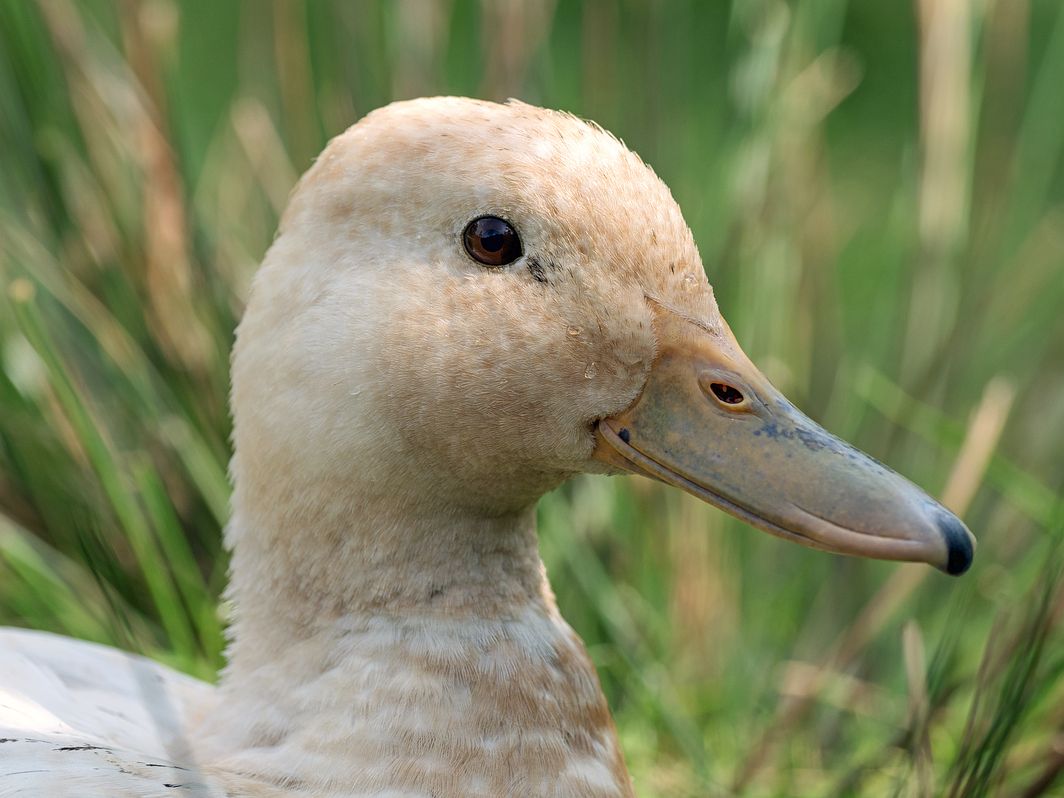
(491, 241)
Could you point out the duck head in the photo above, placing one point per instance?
(469, 303)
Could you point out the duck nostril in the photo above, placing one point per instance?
(726, 393)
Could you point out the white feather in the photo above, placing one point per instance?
(82, 720)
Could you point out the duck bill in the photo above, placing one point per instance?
(710, 423)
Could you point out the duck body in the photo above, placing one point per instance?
(405, 387)
(79, 720)
(430, 707)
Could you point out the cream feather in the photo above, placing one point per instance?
(398, 411)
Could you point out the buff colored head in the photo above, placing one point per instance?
(382, 340)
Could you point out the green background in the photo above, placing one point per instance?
(877, 191)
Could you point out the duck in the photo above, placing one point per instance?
(467, 303)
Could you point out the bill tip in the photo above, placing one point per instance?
(960, 546)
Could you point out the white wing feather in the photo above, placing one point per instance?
(79, 720)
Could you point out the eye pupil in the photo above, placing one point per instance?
(492, 241)
(726, 393)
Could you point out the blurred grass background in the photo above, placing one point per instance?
(877, 190)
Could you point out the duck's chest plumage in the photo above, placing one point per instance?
(380, 706)
(426, 706)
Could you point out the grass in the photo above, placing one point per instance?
(878, 194)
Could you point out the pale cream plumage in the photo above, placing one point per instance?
(398, 411)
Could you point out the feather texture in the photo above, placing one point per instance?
(80, 720)
(398, 411)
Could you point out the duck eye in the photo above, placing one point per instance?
(491, 241)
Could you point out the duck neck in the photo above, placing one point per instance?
(421, 651)
(320, 563)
